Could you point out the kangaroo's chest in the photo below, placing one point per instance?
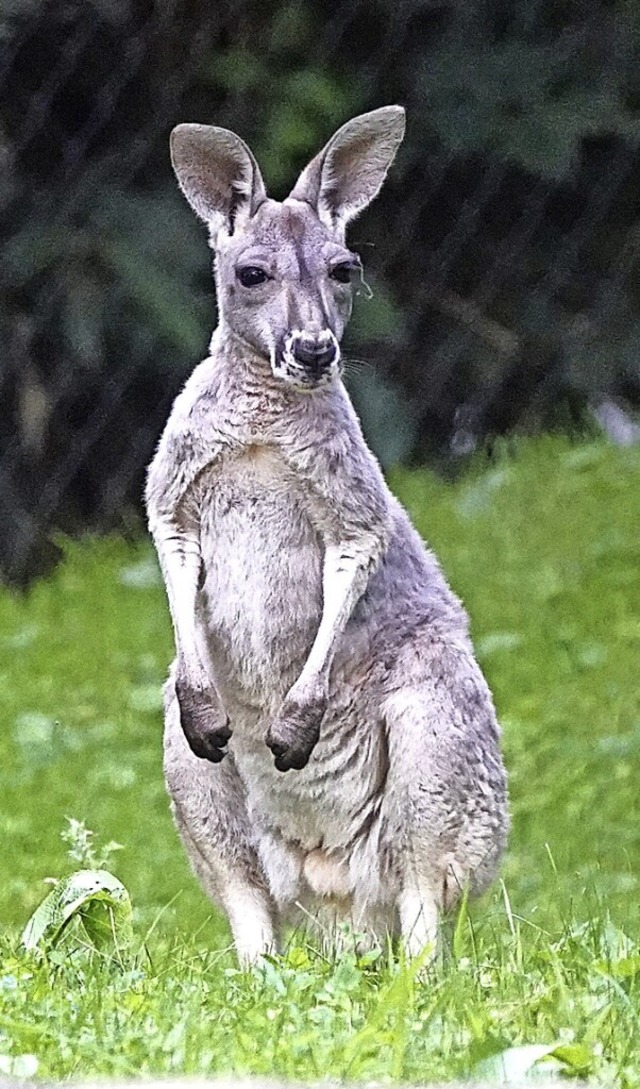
(262, 566)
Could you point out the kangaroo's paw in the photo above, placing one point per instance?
(204, 721)
(293, 734)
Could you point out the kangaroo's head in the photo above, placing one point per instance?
(283, 270)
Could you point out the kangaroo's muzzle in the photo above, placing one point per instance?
(315, 356)
(308, 360)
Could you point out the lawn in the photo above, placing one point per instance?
(543, 545)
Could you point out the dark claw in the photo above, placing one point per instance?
(294, 735)
(291, 760)
(221, 736)
(206, 749)
(204, 722)
(278, 748)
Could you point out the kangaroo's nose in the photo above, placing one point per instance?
(316, 354)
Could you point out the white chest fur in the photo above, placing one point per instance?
(262, 560)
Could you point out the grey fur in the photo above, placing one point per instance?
(309, 618)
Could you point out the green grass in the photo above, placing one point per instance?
(544, 548)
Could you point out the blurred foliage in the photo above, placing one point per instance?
(534, 93)
(502, 252)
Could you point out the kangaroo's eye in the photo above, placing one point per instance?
(250, 276)
(342, 273)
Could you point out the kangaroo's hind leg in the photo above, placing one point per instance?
(447, 782)
(210, 812)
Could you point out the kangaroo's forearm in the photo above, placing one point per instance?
(349, 504)
(347, 568)
(178, 549)
(346, 572)
(203, 718)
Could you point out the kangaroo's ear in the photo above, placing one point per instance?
(347, 174)
(217, 174)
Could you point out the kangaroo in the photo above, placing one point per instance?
(331, 747)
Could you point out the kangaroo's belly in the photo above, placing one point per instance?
(262, 591)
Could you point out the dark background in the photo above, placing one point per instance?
(502, 253)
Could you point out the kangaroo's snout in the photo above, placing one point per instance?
(308, 359)
(316, 354)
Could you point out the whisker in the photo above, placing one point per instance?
(352, 364)
(357, 361)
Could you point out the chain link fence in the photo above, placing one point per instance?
(502, 253)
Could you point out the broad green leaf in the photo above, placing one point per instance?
(577, 1059)
(96, 898)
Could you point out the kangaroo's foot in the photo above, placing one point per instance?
(204, 721)
(419, 921)
(294, 733)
